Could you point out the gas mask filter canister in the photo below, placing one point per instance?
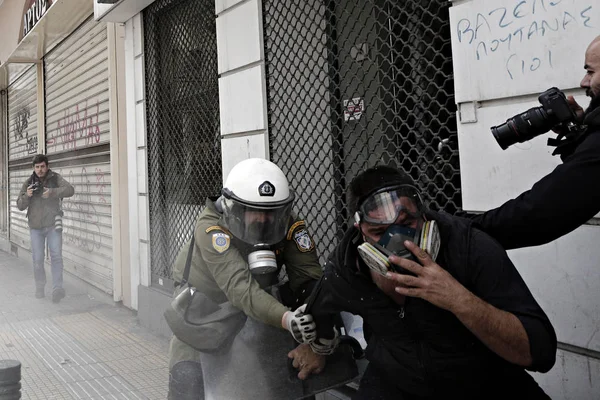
(391, 243)
(262, 261)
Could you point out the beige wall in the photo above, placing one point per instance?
(11, 12)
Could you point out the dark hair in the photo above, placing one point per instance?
(373, 179)
(40, 158)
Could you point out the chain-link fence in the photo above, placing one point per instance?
(357, 83)
(184, 142)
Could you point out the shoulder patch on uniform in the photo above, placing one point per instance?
(293, 228)
(217, 228)
(303, 241)
(220, 241)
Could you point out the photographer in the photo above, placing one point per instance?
(456, 322)
(567, 197)
(41, 195)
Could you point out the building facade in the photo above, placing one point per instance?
(60, 98)
(159, 99)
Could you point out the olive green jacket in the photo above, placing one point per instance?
(41, 212)
(220, 270)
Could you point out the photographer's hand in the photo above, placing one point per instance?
(432, 283)
(29, 191)
(577, 109)
(46, 193)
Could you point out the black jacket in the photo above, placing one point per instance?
(558, 203)
(425, 350)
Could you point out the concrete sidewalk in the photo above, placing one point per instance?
(85, 347)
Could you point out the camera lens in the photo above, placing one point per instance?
(58, 223)
(523, 127)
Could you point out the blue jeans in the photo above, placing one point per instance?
(38, 244)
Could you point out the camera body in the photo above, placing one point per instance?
(555, 103)
(37, 188)
(554, 111)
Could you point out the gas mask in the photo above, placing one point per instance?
(262, 260)
(388, 206)
(391, 243)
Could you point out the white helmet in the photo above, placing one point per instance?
(257, 202)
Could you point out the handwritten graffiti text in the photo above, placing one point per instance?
(76, 125)
(84, 232)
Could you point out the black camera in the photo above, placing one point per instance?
(37, 188)
(554, 111)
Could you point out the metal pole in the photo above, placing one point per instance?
(10, 380)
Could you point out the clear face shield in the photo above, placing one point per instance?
(261, 225)
(386, 206)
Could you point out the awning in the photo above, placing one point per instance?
(58, 22)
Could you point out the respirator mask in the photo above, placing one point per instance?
(387, 206)
(391, 243)
(262, 260)
(260, 225)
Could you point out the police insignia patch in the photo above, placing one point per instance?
(303, 241)
(266, 189)
(220, 241)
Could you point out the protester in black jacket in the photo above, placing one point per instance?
(567, 197)
(464, 326)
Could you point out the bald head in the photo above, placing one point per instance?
(594, 44)
(591, 80)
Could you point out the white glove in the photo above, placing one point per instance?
(300, 325)
(325, 347)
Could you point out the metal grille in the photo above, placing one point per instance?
(184, 143)
(357, 83)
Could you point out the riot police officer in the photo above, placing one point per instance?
(242, 240)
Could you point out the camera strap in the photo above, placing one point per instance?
(188, 263)
(566, 143)
(33, 179)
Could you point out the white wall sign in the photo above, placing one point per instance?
(353, 108)
(506, 48)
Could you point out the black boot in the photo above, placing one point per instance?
(58, 294)
(39, 293)
(186, 382)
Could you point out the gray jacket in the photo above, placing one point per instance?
(41, 212)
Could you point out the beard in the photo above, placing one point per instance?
(594, 102)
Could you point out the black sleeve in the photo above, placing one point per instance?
(494, 279)
(324, 305)
(556, 205)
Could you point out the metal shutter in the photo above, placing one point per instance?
(22, 145)
(77, 141)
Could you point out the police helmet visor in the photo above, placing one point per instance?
(257, 223)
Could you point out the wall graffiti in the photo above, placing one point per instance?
(514, 35)
(84, 229)
(21, 123)
(76, 128)
(32, 145)
(100, 185)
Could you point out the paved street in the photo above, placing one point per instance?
(85, 347)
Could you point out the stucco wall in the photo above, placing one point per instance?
(11, 13)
